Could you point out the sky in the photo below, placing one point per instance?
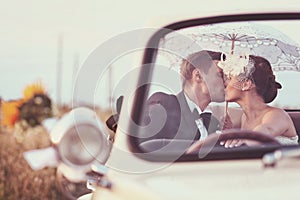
(30, 31)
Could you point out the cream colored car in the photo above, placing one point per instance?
(161, 168)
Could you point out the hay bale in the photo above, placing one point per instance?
(17, 179)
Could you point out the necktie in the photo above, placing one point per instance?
(206, 119)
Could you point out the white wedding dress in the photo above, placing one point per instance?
(287, 140)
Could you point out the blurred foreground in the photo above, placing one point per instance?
(17, 179)
(20, 131)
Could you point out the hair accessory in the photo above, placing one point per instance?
(237, 65)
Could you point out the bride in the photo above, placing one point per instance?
(250, 82)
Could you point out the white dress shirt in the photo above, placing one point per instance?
(199, 122)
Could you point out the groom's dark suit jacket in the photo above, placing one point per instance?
(179, 122)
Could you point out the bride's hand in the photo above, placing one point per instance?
(232, 143)
(238, 142)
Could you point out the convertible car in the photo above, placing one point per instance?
(143, 166)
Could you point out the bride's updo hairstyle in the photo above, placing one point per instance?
(264, 79)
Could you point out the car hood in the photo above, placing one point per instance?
(243, 179)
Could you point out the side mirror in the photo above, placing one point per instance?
(112, 121)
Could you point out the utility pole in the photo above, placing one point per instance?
(75, 69)
(59, 69)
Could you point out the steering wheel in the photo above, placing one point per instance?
(231, 134)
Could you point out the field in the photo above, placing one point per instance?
(17, 179)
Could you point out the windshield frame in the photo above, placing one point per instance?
(145, 75)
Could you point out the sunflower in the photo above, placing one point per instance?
(33, 89)
(10, 112)
(33, 107)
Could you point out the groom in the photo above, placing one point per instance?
(188, 114)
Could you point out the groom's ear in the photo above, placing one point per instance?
(196, 75)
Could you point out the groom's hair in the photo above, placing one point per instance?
(202, 60)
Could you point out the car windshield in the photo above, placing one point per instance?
(245, 75)
(284, 59)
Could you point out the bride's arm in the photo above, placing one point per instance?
(275, 122)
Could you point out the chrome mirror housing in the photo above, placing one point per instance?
(81, 140)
